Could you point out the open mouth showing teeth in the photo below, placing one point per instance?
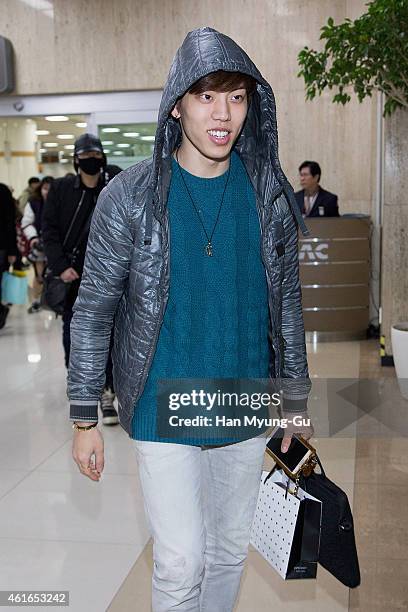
(218, 133)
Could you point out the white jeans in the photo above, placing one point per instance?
(199, 505)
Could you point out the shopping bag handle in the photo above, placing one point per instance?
(320, 465)
(301, 478)
(271, 472)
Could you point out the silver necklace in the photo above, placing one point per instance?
(208, 246)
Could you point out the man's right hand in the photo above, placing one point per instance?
(87, 452)
(69, 275)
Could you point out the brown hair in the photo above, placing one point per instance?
(222, 80)
(37, 193)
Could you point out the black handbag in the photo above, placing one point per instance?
(338, 552)
(54, 293)
(55, 290)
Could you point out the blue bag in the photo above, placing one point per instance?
(14, 287)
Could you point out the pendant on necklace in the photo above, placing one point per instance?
(208, 249)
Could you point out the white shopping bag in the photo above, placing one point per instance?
(286, 528)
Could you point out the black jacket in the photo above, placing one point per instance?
(325, 198)
(69, 207)
(66, 196)
(8, 227)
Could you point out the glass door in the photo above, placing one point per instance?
(127, 136)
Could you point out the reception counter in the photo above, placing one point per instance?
(334, 274)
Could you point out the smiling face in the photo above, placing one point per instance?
(211, 122)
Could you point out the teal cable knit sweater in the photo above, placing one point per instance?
(216, 320)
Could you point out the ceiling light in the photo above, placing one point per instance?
(123, 145)
(81, 124)
(107, 142)
(42, 132)
(43, 150)
(110, 130)
(66, 136)
(33, 358)
(106, 150)
(118, 153)
(69, 146)
(57, 118)
(149, 138)
(131, 134)
(50, 144)
(42, 5)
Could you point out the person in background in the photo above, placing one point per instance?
(29, 191)
(312, 199)
(8, 241)
(66, 221)
(31, 225)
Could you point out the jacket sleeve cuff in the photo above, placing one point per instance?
(81, 410)
(294, 405)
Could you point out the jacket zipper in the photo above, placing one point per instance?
(275, 195)
(152, 348)
(149, 358)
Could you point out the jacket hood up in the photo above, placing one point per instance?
(203, 51)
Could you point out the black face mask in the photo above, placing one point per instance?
(90, 165)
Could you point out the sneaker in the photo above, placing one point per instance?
(35, 307)
(4, 310)
(109, 414)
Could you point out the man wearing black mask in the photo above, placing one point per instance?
(66, 222)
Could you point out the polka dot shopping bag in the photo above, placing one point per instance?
(286, 527)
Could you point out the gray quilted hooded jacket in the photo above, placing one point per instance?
(127, 268)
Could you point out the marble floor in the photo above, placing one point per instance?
(60, 531)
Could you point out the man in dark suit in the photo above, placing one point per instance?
(312, 200)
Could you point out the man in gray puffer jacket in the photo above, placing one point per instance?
(193, 254)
